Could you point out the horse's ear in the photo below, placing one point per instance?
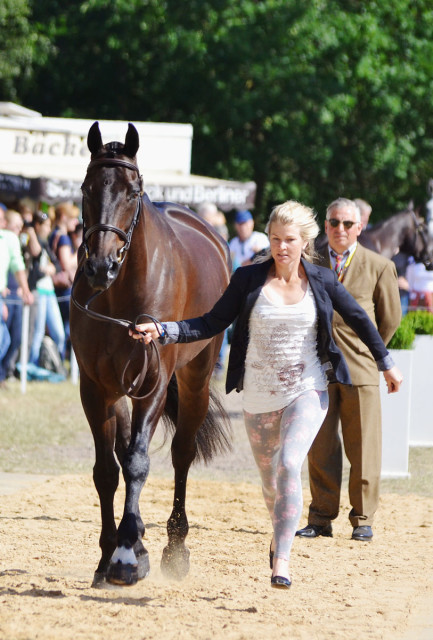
(410, 206)
(94, 139)
(132, 142)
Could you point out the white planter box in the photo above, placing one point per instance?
(396, 419)
(421, 418)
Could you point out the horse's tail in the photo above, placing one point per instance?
(214, 435)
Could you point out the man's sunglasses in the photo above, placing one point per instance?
(348, 224)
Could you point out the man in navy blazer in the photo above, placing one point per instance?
(372, 281)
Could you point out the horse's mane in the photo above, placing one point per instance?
(390, 221)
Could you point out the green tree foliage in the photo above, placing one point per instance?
(309, 99)
(18, 47)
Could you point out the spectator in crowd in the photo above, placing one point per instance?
(365, 210)
(25, 209)
(402, 261)
(11, 259)
(420, 282)
(372, 280)
(48, 316)
(247, 241)
(13, 300)
(210, 212)
(66, 220)
(77, 237)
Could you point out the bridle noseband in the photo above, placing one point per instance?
(111, 160)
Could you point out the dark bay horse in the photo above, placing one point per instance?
(404, 232)
(139, 260)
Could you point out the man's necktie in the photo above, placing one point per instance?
(338, 264)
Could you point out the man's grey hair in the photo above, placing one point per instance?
(343, 202)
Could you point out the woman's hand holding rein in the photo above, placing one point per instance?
(146, 332)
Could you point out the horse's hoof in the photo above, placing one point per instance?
(123, 574)
(143, 568)
(175, 561)
(99, 579)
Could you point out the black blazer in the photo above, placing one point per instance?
(238, 300)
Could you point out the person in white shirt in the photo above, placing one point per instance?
(247, 241)
(420, 283)
(11, 259)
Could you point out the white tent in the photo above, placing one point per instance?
(46, 158)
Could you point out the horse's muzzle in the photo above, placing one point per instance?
(101, 273)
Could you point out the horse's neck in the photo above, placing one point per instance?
(143, 253)
(388, 236)
(395, 228)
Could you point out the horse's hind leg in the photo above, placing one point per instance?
(193, 407)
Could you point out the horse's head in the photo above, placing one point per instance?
(112, 192)
(418, 242)
(425, 242)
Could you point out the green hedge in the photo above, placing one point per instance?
(415, 322)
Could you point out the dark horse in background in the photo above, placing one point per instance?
(403, 232)
(139, 260)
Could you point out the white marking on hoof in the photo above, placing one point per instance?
(124, 556)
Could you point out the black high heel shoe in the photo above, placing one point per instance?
(278, 582)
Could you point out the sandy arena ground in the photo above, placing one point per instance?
(49, 529)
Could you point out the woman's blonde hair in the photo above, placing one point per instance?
(303, 217)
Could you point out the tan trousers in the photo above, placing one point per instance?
(358, 408)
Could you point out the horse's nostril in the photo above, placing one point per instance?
(114, 267)
(89, 268)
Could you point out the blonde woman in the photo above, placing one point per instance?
(281, 346)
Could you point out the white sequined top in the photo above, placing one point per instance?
(282, 360)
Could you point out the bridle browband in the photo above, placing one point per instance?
(111, 160)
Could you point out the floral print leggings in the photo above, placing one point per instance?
(280, 441)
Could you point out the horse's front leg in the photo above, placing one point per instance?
(102, 421)
(130, 560)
